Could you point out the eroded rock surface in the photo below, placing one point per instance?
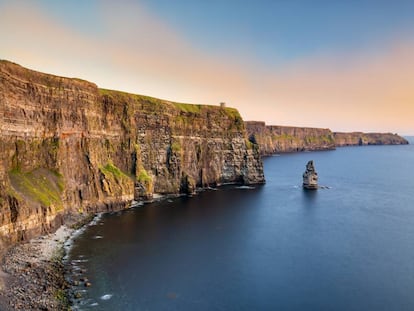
(310, 177)
(361, 139)
(67, 147)
(279, 139)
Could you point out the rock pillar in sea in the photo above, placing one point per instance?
(310, 177)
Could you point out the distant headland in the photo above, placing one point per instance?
(70, 150)
(281, 139)
(98, 150)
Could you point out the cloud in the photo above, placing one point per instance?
(138, 52)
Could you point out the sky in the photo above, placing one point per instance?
(343, 65)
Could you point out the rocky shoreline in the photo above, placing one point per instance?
(33, 273)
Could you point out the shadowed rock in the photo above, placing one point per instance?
(310, 177)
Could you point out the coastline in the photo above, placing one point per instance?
(3, 283)
(32, 274)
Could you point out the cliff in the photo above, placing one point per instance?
(278, 139)
(360, 139)
(69, 148)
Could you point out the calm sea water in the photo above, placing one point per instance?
(274, 247)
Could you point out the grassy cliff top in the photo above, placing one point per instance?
(45, 79)
(149, 104)
(162, 104)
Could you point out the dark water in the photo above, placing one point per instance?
(275, 247)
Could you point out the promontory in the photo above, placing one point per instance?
(68, 147)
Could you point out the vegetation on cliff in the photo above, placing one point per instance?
(278, 139)
(42, 186)
(184, 114)
(109, 147)
(112, 172)
(360, 139)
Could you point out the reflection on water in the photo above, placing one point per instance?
(309, 195)
(275, 247)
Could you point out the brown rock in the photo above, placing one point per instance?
(69, 148)
(360, 139)
(280, 139)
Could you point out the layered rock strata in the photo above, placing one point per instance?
(310, 177)
(361, 139)
(279, 139)
(67, 147)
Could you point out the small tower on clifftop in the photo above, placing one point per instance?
(222, 105)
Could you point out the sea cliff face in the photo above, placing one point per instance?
(361, 139)
(278, 139)
(70, 148)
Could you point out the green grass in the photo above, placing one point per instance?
(328, 139)
(189, 107)
(41, 185)
(175, 146)
(185, 113)
(249, 144)
(283, 136)
(143, 176)
(124, 96)
(319, 139)
(232, 112)
(59, 183)
(183, 107)
(111, 171)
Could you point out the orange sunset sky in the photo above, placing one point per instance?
(346, 66)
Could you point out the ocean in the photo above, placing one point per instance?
(347, 246)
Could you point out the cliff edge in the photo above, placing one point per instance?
(280, 139)
(361, 139)
(68, 147)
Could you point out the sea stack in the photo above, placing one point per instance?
(310, 177)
